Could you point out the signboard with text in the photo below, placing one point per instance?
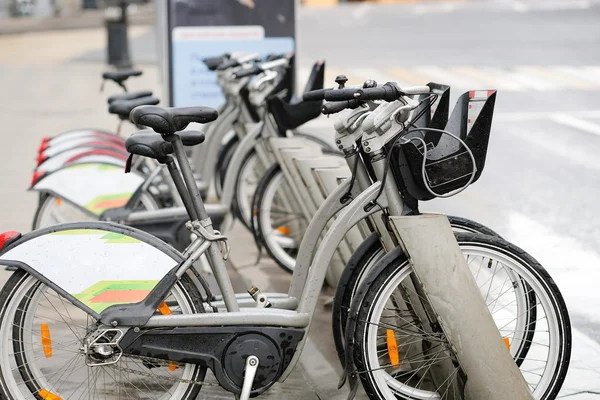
(207, 28)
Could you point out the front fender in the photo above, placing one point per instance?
(92, 187)
(94, 265)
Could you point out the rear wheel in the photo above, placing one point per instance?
(42, 336)
(523, 299)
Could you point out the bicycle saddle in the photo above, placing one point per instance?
(149, 144)
(123, 108)
(167, 121)
(129, 96)
(120, 76)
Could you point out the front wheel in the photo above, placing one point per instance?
(54, 210)
(42, 355)
(395, 354)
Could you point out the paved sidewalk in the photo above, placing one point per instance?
(47, 95)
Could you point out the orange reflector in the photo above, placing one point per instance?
(506, 343)
(284, 230)
(58, 202)
(392, 346)
(46, 395)
(172, 366)
(164, 309)
(46, 340)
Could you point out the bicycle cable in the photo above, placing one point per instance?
(432, 99)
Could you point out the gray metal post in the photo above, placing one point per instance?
(438, 262)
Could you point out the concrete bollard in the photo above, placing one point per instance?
(441, 268)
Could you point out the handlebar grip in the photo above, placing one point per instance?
(376, 93)
(314, 95)
(254, 70)
(213, 62)
(337, 106)
(341, 94)
(227, 64)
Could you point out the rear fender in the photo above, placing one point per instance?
(92, 187)
(52, 150)
(78, 156)
(80, 153)
(94, 265)
(79, 133)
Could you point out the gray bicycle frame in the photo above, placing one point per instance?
(308, 276)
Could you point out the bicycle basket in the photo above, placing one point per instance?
(448, 165)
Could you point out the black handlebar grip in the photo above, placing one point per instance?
(337, 106)
(341, 94)
(227, 64)
(213, 62)
(254, 70)
(377, 93)
(334, 107)
(314, 95)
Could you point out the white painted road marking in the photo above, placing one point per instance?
(573, 122)
(513, 79)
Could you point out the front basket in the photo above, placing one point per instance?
(448, 165)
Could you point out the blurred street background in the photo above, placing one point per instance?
(541, 186)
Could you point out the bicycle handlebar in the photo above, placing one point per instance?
(254, 70)
(387, 92)
(337, 106)
(314, 95)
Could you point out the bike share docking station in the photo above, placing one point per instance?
(490, 370)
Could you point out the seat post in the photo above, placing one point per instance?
(188, 176)
(181, 188)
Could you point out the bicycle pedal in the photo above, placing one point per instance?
(249, 374)
(260, 299)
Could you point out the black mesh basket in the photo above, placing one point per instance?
(448, 165)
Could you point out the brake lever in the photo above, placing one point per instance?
(259, 83)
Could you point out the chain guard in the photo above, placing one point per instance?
(222, 349)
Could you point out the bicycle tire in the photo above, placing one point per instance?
(371, 287)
